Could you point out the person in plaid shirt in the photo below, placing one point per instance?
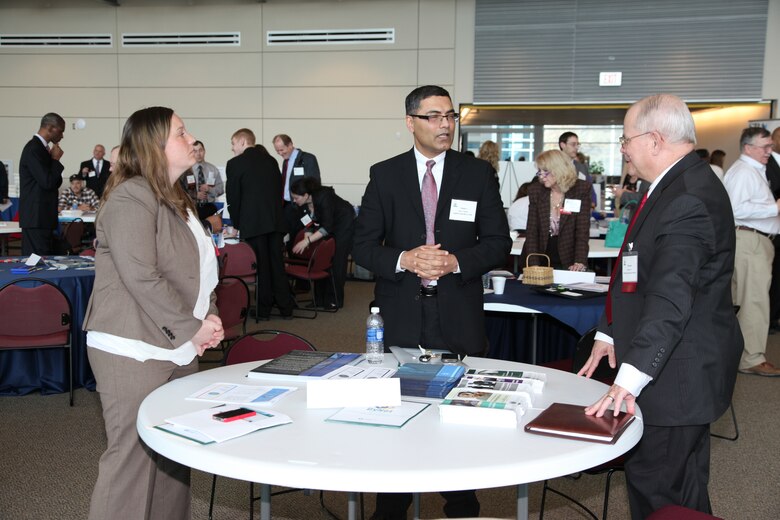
(85, 198)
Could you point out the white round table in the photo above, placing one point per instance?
(423, 456)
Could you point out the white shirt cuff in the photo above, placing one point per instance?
(600, 336)
(398, 268)
(632, 379)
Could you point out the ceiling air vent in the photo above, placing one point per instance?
(56, 40)
(212, 39)
(331, 36)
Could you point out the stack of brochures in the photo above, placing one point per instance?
(304, 364)
(425, 380)
(201, 427)
(486, 397)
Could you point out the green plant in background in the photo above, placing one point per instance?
(596, 168)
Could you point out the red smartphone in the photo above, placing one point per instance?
(234, 415)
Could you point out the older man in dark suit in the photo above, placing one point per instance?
(96, 170)
(773, 176)
(669, 320)
(40, 176)
(431, 223)
(253, 187)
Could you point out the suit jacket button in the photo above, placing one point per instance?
(655, 365)
(423, 236)
(661, 350)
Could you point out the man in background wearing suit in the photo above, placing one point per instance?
(773, 176)
(96, 170)
(295, 163)
(669, 320)
(40, 176)
(253, 187)
(431, 223)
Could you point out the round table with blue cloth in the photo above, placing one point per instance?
(45, 370)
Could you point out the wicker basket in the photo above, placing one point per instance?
(537, 274)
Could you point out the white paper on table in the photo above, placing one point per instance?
(204, 423)
(340, 393)
(232, 393)
(393, 416)
(565, 276)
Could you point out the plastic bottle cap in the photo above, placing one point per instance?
(374, 310)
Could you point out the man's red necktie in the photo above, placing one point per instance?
(619, 257)
(284, 177)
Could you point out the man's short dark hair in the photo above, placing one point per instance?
(564, 138)
(750, 133)
(703, 153)
(416, 96)
(199, 143)
(52, 119)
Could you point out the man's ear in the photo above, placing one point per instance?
(410, 123)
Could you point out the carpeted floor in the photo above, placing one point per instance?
(49, 451)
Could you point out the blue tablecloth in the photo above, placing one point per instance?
(10, 212)
(26, 371)
(559, 328)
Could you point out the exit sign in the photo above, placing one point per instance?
(610, 79)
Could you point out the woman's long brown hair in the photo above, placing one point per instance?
(142, 154)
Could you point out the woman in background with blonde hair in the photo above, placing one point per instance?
(558, 214)
(489, 152)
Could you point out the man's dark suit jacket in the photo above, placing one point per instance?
(309, 164)
(3, 182)
(679, 327)
(574, 231)
(98, 181)
(40, 176)
(391, 221)
(773, 176)
(253, 187)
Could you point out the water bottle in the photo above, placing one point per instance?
(375, 337)
(75, 206)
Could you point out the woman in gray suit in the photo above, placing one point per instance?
(152, 310)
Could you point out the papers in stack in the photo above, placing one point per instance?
(387, 416)
(487, 397)
(426, 380)
(202, 428)
(304, 365)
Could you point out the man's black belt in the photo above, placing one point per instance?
(745, 228)
(428, 291)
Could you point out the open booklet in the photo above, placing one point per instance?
(388, 416)
(201, 427)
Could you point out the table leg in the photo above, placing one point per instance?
(533, 338)
(265, 502)
(415, 506)
(522, 502)
(352, 498)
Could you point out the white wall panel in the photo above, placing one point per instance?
(437, 24)
(340, 68)
(214, 103)
(333, 102)
(82, 102)
(57, 70)
(436, 67)
(187, 70)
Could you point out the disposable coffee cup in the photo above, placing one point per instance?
(498, 284)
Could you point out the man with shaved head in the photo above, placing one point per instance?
(96, 170)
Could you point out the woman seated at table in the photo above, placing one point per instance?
(332, 216)
(151, 313)
(558, 214)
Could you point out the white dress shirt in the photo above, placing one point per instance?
(751, 198)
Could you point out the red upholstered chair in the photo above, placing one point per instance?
(680, 513)
(317, 268)
(71, 235)
(605, 374)
(36, 314)
(239, 260)
(258, 346)
(233, 305)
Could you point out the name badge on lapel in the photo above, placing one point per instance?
(630, 273)
(297, 171)
(571, 206)
(306, 220)
(463, 210)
